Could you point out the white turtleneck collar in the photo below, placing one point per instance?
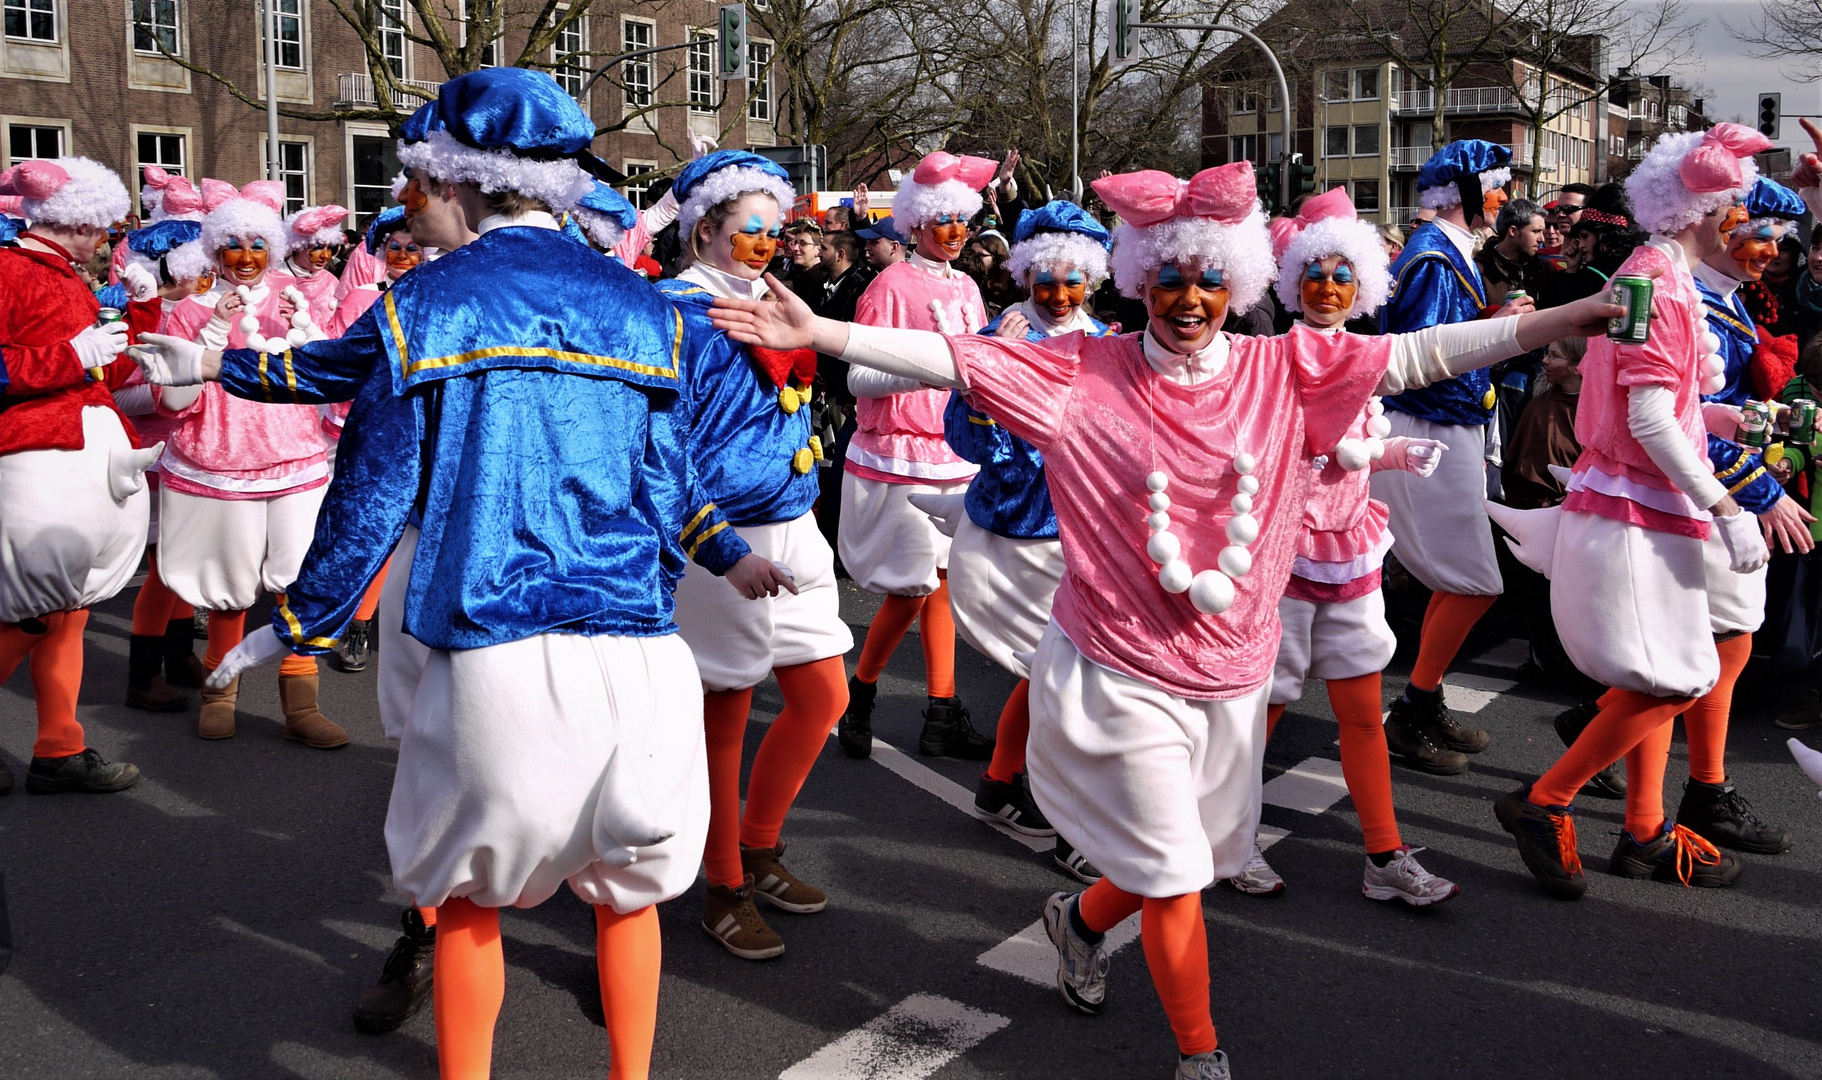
(1040, 320)
(1717, 281)
(723, 284)
(1463, 240)
(535, 219)
(932, 266)
(1186, 369)
(1672, 250)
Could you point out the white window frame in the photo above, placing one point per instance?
(642, 98)
(31, 7)
(1346, 78)
(182, 168)
(633, 168)
(1354, 84)
(701, 71)
(570, 76)
(1237, 148)
(176, 27)
(1244, 101)
(394, 27)
(282, 17)
(760, 99)
(1378, 196)
(7, 123)
(491, 58)
(1354, 140)
(350, 132)
(1346, 141)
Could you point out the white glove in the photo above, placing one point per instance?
(139, 283)
(169, 361)
(258, 648)
(99, 345)
(214, 334)
(1416, 456)
(1745, 543)
(701, 146)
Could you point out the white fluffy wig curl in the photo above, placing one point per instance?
(1661, 204)
(1442, 198)
(328, 234)
(1242, 252)
(188, 262)
(93, 196)
(727, 185)
(245, 219)
(557, 184)
(1356, 241)
(917, 205)
(602, 230)
(1055, 251)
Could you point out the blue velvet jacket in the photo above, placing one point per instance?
(743, 442)
(1743, 471)
(519, 398)
(1433, 284)
(1008, 497)
(1727, 317)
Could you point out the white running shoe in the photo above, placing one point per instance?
(1257, 878)
(1081, 967)
(1209, 1066)
(1404, 878)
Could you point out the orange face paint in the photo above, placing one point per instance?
(1187, 309)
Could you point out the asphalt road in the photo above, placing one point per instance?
(219, 920)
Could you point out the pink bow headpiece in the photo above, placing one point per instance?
(267, 193)
(1224, 194)
(1714, 165)
(12, 206)
(318, 218)
(1328, 205)
(34, 180)
(156, 178)
(975, 172)
(180, 197)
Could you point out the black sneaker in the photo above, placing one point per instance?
(949, 732)
(1610, 782)
(1806, 713)
(1676, 855)
(405, 981)
(1722, 816)
(1417, 746)
(87, 773)
(854, 731)
(1546, 841)
(1435, 717)
(1074, 863)
(355, 650)
(1011, 805)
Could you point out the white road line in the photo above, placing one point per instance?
(1269, 835)
(909, 1041)
(1310, 787)
(1030, 955)
(949, 791)
(1472, 693)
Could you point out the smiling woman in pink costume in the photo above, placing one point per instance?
(315, 235)
(1179, 462)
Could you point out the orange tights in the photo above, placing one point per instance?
(56, 678)
(1009, 738)
(1446, 623)
(1705, 722)
(227, 628)
(470, 984)
(1366, 765)
(370, 600)
(1630, 724)
(1176, 951)
(815, 695)
(156, 605)
(935, 625)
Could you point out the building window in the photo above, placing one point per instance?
(1366, 196)
(1243, 148)
(1272, 102)
(290, 17)
(1335, 141)
(759, 81)
(391, 26)
(569, 46)
(32, 20)
(471, 15)
(1366, 84)
(638, 184)
(1274, 145)
(160, 149)
(155, 26)
(636, 73)
(1335, 85)
(1366, 140)
(376, 162)
(1245, 101)
(702, 72)
(294, 170)
(26, 142)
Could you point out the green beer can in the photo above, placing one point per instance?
(1755, 425)
(1803, 422)
(1633, 294)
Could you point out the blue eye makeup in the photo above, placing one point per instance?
(1074, 278)
(1170, 277)
(259, 245)
(1344, 274)
(948, 219)
(1211, 279)
(1766, 232)
(1045, 277)
(755, 224)
(1313, 272)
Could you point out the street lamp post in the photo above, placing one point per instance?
(270, 10)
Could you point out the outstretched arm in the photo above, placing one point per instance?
(1443, 352)
(788, 323)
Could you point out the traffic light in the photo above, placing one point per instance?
(1123, 36)
(731, 53)
(1299, 179)
(1265, 182)
(1769, 107)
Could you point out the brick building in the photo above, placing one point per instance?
(1641, 108)
(88, 77)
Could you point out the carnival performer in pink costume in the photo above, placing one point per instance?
(243, 480)
(898, 450)
(315, 235)
(1179, 462)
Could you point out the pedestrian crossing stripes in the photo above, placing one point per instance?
(909, 1041)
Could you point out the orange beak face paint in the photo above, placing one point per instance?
(1059, 293)
(1328, 291)
(1490, 203)
(244, 261)
(1187, 305)
(413, 198)
(942, 240)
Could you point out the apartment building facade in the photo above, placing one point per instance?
(93, 77)
(1639, 110)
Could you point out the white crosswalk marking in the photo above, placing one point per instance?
(1311, 786)
(1472, 693)
(909, 1041)
(897, 761)
(1030, 955)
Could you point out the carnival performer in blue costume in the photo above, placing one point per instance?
(517, 432)
(1769, 211)
(751, 442)
(1441, 531)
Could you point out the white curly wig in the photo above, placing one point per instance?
(398, 185)
(558, 184)
(1354, 240)
(1442, 198)
(245, 219)
(328, 234)
(728, 184)
(1243, 253)
(602, 230)
(93, 196)
(1055, 251)
(185, 263)
(1661, 204)
(917, 205)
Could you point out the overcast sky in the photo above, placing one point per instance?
(1737, 78)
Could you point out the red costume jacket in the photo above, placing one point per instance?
(43, 385)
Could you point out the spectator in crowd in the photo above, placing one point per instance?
(1780, 281)
(847, 278)
(646, 266)
(1555, 230)
(1545, 432)
(838, 219)
(1510, 262)
(1805, 316)
(884, 246)
(1392, 238)
(984, 260)
(802, 249)
(1570, 202)
(1793, 583)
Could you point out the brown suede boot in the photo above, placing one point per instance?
(217, 718)
(297, 697)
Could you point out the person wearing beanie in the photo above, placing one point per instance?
(1179, 461)
(1441, 532)
(314, 236)
(73, 505)
(887, 545)
(516, 434)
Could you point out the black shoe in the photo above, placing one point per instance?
(6, 779)
(1546, 841)
(1722, 816)
(146, 688)
(1435, 717)
(182, 667)
(949, 732)
(405, 981)
(1610, 782)
(1011, 805)
(1417, 746)
(88, 773)
(854, 731)
(1805, 714)
(1676, 855)
(355, 650)
(1073, 863)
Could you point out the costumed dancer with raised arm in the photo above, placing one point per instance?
(1626, 550)
(1332, 268)
(752, 447)
(1005, 560)
(515, 432)
(1441, 533)
(1179, 462)
(242, 480)
(897, 451)
(314, 235)
(73, 505)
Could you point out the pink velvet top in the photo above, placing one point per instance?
(1344, 536)
(1103, 419)
(319, 288)
(899, 438)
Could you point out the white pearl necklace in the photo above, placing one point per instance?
(1211, 591)
(1356, 454)
(300, 324)
(1714, 367)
